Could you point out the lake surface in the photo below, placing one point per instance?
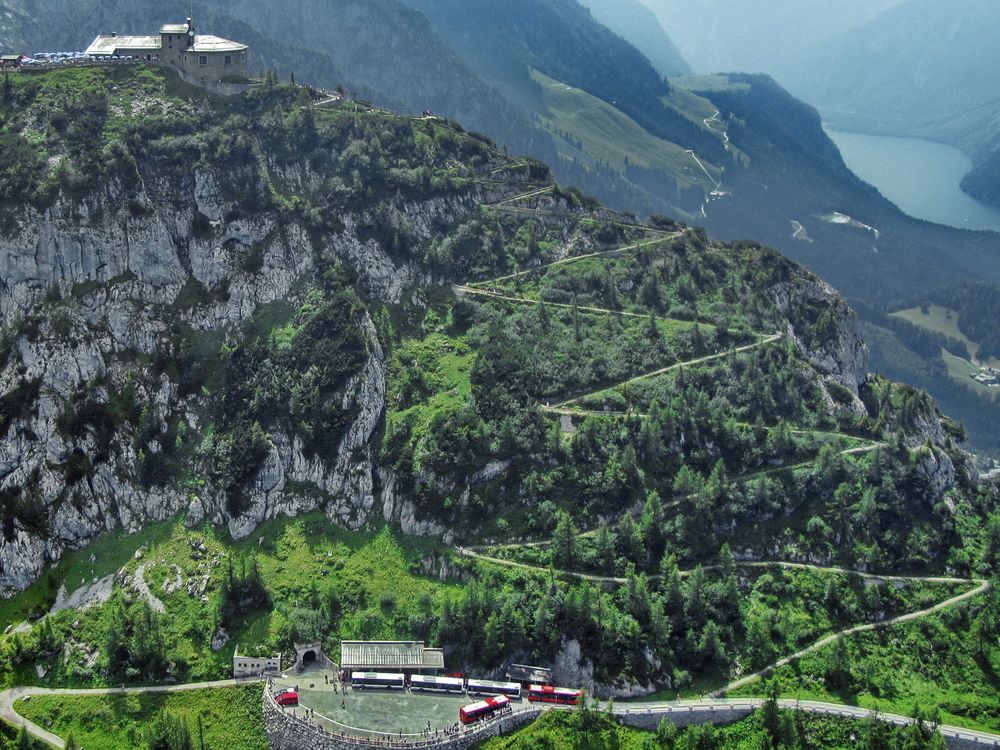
(920, 177)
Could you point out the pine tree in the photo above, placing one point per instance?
(543, 316)
(770, 715)
(605, 545)
(23, 740)
(838, 671)
(711, 648)
(730, 584)
(564, 542)
(651, 525)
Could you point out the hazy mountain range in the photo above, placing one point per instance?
(765, 36)
(917, 68)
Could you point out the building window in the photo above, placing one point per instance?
(203, 59)
(228, 60)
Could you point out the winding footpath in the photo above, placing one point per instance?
(492, 294)
(10, 696)
(678, 366)
(573, 259)
(981, 587)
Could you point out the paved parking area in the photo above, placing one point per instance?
(372, 712)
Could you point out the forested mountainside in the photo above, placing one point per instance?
(844, 230)
(638, 25)
(219, 314)
(236, 310)
(983, 182)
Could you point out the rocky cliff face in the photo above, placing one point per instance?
(94, 294)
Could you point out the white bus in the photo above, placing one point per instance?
(488, 687)
(378, 680)
(439, 684)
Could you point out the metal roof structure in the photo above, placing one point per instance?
(375, 655)
(209, 43)
(107, 44)
(525, 673)
(113, 44)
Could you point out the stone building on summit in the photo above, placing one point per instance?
(200, 59)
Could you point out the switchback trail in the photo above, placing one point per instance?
(717, 118)
(677, 366)
(575, 258)
(981, 587)
(523, 196)
(459, 289)
(754, 564)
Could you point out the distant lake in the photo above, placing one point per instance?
(920, 177)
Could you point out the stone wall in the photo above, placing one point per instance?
(682, 716)
(286, 731)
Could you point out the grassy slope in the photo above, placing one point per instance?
(940, 320)
(945, 321)
(962, 370)
(231, 718)
(610, 136)
(371, 570)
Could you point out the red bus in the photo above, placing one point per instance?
(287, 698)
(484, 709)
(549, 694)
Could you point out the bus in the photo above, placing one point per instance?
(488, 687)
(438, 684)
(549, 694)
(484, 709)
(378, 680)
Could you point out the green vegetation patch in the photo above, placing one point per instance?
(225, 718)
(948, 661)
(596, 132)
(322, 582)
(768, 728)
